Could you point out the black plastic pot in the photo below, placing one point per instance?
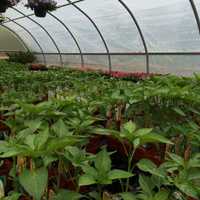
(3, 8)
(39, 11)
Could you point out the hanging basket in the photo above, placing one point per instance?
(3, 8)
(39, 11)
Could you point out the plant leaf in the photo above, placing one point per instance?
(33, 124)
(119, 174)
(128, 196)
(153, 138)
(162, 195)
(66, 194)
(148, 166)
(146, 185)
(130, 126)
(60, 128)
(86, 180)
(34, 182)
(103, 162)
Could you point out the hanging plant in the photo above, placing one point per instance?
(5, 4)
(41, 7)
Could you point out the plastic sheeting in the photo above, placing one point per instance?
(167, 26)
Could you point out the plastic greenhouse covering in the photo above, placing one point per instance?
(156, 36)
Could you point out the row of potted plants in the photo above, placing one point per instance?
(40, 7)
(134, 76)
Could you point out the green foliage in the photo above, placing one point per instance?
(22, 57)
(34, 182)
(141, 136)
(101, 173)
(65, 194)
(54, 118)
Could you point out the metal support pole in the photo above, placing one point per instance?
(73, 37)
(32, 14)
(195, 13)
(140, 32)
(97, 29)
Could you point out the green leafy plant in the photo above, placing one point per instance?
(22, 57)
(101, 173)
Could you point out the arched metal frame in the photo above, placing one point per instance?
(49, 35)
(29, 15)
(32, 36)
(108, 53)
(140, 32)
(97, 29)
(195, 13)
(72, 35)
(16, 35)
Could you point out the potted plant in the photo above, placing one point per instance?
(4, 4)
(41, 7)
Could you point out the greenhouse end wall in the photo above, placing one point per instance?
(9, 42)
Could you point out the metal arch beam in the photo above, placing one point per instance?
(16, 35)
(42, 52)
(195, 13)
(140, 32)
(97, 29)
(32, 14)
(72, 35)
(53, 41)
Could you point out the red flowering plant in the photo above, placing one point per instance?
(132, 76)
(5, 4)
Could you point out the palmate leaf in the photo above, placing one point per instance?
(34, 182)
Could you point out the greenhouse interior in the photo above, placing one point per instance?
(99, 100)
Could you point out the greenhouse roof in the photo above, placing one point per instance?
(112, 33)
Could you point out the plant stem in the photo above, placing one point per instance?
(99, 189)
(130, 158)
(59, 173)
